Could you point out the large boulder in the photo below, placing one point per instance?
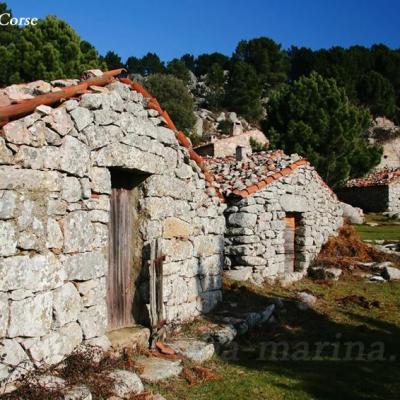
(355, 215)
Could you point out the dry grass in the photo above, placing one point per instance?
(347, 249)
(80, 368)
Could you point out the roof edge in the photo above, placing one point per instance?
(26, 107)
(249, 190)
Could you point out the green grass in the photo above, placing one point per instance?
(245, 377)
(388, 229)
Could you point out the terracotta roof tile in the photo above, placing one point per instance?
(242, 178)
(377, 178)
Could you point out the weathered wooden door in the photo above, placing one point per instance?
(290, 237)
(119, 279)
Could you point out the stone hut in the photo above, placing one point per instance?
(377, 192)
(93, 176)
(280, 213)
(225, 146)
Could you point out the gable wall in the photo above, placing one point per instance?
(255, 225)
(394, 197)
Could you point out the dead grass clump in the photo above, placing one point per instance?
(348, 245)
(84, 366)
(32, 388)
(196, 375)
(361, 301)
(347, 248)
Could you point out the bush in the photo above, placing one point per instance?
(225, 126)
(257, 146)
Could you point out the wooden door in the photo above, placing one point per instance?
(119, 279)
(290, 236)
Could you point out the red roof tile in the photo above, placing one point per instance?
(243, 178)
(377, 178)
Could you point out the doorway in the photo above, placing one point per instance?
(125, 249)
(291, 224)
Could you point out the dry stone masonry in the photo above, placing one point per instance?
(262, 191)
(55, 186)
(379, 191)
(57, 181)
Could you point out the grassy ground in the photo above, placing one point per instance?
(388, 229)
(333, 320)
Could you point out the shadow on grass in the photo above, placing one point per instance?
(359, 359)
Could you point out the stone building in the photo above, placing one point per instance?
(88, 183)
(225, 146)
(109, 218)
(377, 192)
(280, 213)
(386, 134)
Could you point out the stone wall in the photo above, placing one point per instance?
(368, 198)
(394, 197)
(255, 225)
(54, 210)
(391, 154)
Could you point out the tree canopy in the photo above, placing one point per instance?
(352, 68)
(267, 58)
(49, 50)
(243, 91)
(315, 118)
(377, 93)
(113, 61)
(173, 96)
(178, 69)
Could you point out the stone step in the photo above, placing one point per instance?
(132, 337)
(157, 369)
(195, 350)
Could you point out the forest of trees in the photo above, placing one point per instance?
(370, 76)
(315, 102)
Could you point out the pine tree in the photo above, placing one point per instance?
(243, 92)
(268, 59)
(113, 61)
(49, 50)
(315, 118)
(377, 93)
(178, 69)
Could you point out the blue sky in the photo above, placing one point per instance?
(171, 28)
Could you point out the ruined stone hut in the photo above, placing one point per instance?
(226, 145)
(280, 212)
(97, 185)
(377, 192)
